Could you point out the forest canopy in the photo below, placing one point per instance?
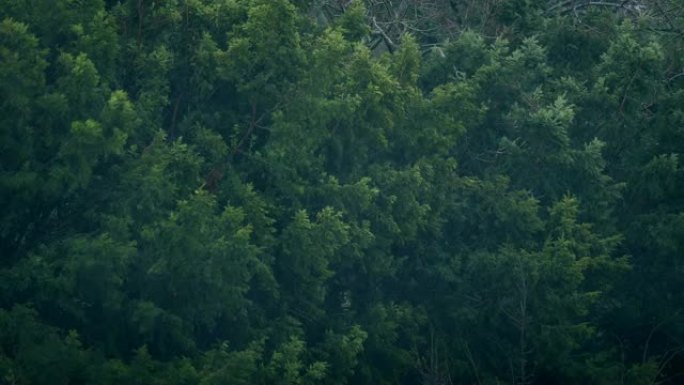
(301, 192)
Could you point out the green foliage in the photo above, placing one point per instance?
(231, 192)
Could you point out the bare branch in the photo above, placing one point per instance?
(390, 44)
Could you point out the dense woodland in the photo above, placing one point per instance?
(300, 192)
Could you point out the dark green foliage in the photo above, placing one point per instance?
(322, 192)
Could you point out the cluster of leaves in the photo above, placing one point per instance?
(235, 192)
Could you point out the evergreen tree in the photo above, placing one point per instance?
(333, 192)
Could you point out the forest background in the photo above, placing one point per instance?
(341, 192)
